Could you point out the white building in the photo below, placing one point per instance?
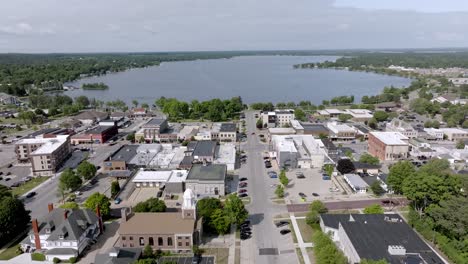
(356, 183)
(188, 132)
(397, 125)
(298, 151)
(435, 133)
(455, 134)
(278, 118)
(226, 154)
(341, 131)
(159, 178)
(359, 115)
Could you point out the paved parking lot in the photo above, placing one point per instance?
(102, 186)
(313, 183)
(7, 154)
(186, 260)
(18, 173)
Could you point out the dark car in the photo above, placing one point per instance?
(246, 229)
(300, 176)
(196, 259)
(302, 195)
(242, 195)
(10, 165)
(315, 194)
(246, 222)
(242, 191)
(31, 194)
(244, 236)
(243, 179)
(268, 165)
(266, 157)
(285, 231)
(282, 223)
(243, 184)
(93, 181)
(7, 179)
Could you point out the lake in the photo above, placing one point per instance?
(254, 78)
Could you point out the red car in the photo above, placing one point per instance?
(243, 184)
(242, 191)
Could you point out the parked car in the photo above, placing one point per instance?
(78, 193)
(7, 179)
(315, 194)
(243, 179)
(31, 194)
(242, 195)
(10, 165)
(300, 176)
(285, 231)
(27, 178)
(302, 195)
(272, 174)
(244, 236)
(8, 173)
(282, 223)
(242, 191)
(93, 181)
(243, 184)
(246, 228)
(196, 259)
(268, 165)
(117, 201)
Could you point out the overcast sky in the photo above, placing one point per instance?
(186, 25)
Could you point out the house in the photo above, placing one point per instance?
(64, 233)
(174, 232)
(96, 135)
(397, 125)
(228, 132)
(118, 256)
(434, 133)
(91, 117)
(120, 160)
(376, 237)
(359, 115)
(207, 180)
(45, 152)
(298, 151)
(341, 131)
(388, 145)
(277, 118)
(356, 183)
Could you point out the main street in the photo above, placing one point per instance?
(267, 245)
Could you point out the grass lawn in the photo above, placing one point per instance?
(346, 211)
(306, 230)
(26, 187)
(12, 251)
(221, 254)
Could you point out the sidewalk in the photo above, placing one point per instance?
(300, 242)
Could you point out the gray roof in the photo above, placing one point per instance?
(155, 121)
(356, 181)
(62, 251)
(314, 127)
(192, 145)
(205, 148)
(91, 115)
(228, 127)
(361, 165)
(98, 130)
(126, 153)
(371, 234)
(362, 128)
(212, 172)
(124, 256)
(72, 228)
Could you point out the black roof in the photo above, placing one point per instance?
(314, 127)
(372, 234)
(328, 144)
(99, 130)
(45, 131)
(125, 153)
(211, 172)
(192, 145)
(155, 121)
(362, 128)
(228, 127)
(361, 165)
(124, 256)
(205, 148)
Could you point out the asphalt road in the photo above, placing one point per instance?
(344, 205)
(266, 237)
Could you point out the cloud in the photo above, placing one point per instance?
(24, 29)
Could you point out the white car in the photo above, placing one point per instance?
(78, 193)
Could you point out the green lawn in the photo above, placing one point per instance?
(26, 187)
(221, 254)
(306, 230)
(13, 250)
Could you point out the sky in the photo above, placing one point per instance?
(32, 26)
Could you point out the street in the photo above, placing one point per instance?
(267, 245)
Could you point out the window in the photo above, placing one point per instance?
(123, 238)
(151, 241)
(142, 241)
(187, 237)
(180, 244)
(131, 238)
(169, 241)
(131, 244)
(160, 241)
(187, 244)
(123, 245)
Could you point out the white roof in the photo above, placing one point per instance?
(187, 130)
(296, 125)
(48, 146)
(178, 176)
(356, 181)
(359, 113)
(337, 128)
(152, 176)
(281, 130)
(334, 111)
(225, 154)
(453, 130)
(288, 143)
(391, 138)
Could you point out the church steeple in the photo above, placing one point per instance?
(189, 206)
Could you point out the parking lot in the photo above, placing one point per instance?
(7, 154)
(186, 260)
(15, 174)
(312, 183)
(102, 185)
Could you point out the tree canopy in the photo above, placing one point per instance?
(369, 159)
(345, 166)
(235, 209)
(153, 205)
(69, 180)
(86, 170)
(14, 218)
(398, 173)
(98, 199)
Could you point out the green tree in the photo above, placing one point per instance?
(115, 188)
(312, 218)
(374, 209)
(69, 180)
(328, 169)
(86, 170)
(82, 100)
(344, 117)
(398, 173)
(370, 261)
(153, 205)
(220, 221)
(450, 216)
(14, 218)
(372, 123)
(318, 206)
(131, 137)
(145, 105)
(460, 144)
(70, 205)
(345, 166)
(325, 250)
(369, 159)
(148, 252)
(259, 123)
(283, 179)
(376, 188)
(235, 209)
(98, 199)
(299, 114)
(380, 116)
(135, 103)
(279, 191)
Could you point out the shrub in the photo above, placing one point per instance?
(72, 260)
(56, 260)
(38, 257)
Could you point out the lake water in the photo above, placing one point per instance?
(254, 78)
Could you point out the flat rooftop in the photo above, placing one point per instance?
(356, 181)
(178, 176)
(225, 154)
(126, 153)
(167, 223)
(228, 127)
(48, 145)
(155, 122)
(337, 127)
(391, 138)
(98, 130)
(152, 176)
(212, 172)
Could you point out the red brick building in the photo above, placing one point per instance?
(97, 135)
